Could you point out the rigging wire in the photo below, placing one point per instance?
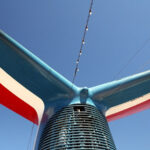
(139, 69)
(30, 137)
(36, 134)
(82, 42)
(131, 58)
(122, 69)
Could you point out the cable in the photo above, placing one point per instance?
(30, 137)
(122, 69)
(131, 58)
(139, 69)
(82, 42)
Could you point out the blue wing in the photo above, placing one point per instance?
(26, 72)
(124, 97)
(31, 72)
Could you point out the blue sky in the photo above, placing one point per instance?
(52, 30)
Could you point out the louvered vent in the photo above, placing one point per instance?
(78, 127)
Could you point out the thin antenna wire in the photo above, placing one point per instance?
(30, 138)
(82, 42)
(35, 138)
(143, 66)
(122, 69)
(131, 58)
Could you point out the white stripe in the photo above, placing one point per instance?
(23, 93)
(127, 105)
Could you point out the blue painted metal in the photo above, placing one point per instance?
(33, 73)
(55, 90)
(50, 86)
(120, 91)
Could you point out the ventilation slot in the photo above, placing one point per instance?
(77, 127)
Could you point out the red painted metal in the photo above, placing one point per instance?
(129, 111)
(14, 103)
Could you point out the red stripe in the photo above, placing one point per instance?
(11, 101)
(129, 111)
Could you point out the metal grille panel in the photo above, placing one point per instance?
(78, 127)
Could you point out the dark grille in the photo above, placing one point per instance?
(78, 127)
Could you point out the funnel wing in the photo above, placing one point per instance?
(27, 81)
(124, 97)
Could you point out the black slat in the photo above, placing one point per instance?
(77, 127)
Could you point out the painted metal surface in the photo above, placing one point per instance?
(36, 76)
(124, 97)
(117, 99)
(19, 99)
(31, 72)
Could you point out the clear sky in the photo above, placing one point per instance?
(52, 30)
